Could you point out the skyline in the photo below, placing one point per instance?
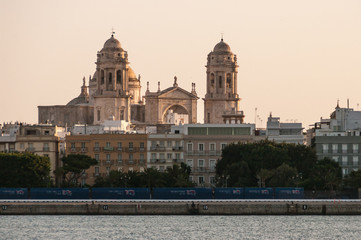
(295, 60)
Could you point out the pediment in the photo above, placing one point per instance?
(176, 92)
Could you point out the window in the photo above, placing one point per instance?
(325, 148)
(212, 180)
(96, 171)
(119, 146)
(212, 146)
(201, 147)
(223, 145)
(154, 156)
(355, 160)
(228, 78)
(96, 146)
(141, 158)
(169, 155)
(212, 164)
(72, 145)
(46, 147)
(110, 78)
(131, 158)
(189, 147)
(120, 158)
(22, 146)
(130, 146)
(344, 160)
(212, 79)
(102, 77)
(108, 170)
(334, 148)
(108, 158)
(169, 144)
(355, 148)
(177, 156)
(98, 115)
(344, 148)
(119, 77)
(200, 179)
(200, 163)
(220, 81)
(177, 144)
(161, 143)
(107, 144)
(83, 145)
(161, 156)
(46, 133)
(190, 162)
(335, 158)
(141, 146)
(96, 156)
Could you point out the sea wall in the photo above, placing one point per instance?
(182, 208)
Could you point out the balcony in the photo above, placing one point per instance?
(108, 149)
(119, 149)
(177, 160)
(30, 149)
(177, 148)
(84, 149)
(96, 149)
(107, 162)
(157, 148)
(46, 149)
(203, 170)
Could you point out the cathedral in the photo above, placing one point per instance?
(114, 93)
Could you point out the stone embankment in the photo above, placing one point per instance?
(285, 207)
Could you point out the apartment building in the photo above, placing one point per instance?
(121, 152)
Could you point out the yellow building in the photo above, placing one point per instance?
(122, 152)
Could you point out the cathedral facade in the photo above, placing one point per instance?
(114, 93)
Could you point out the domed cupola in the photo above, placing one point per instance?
(222, 47)
(112, 44)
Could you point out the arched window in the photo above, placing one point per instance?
(102, 76)
(110, 78)
(119, 77)
(212, 79)
(220, 81)
(228, 78)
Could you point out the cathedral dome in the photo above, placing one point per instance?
(78, 100)
(112, 43)
(131, 73)
(222, 47)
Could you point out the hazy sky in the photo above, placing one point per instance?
(296, 58)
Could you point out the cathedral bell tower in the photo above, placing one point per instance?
(116, 85)
(221, 102)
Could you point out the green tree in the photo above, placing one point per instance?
(326, 175)
(283, 176)
(255, 164)
(24, 170)
(73, 167)
(353, 180)
(178, 176)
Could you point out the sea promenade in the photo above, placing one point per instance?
(180, 207)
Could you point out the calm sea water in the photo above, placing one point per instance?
(180, 227)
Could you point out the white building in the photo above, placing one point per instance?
(284, 132)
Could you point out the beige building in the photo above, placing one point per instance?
(43, 140)
(114, 93)
(120, 152)
(164, 150)
(221, 102)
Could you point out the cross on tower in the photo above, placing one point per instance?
(112, 32)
